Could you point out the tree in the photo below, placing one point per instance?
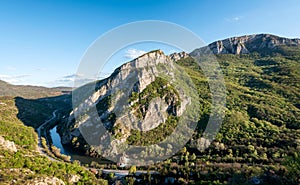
(130, 180)
(193, 157)
(111, 175)
(148, 175)
(132, 170)
(184, 150)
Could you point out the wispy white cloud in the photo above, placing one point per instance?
(14, 79)
(10, 68)
(71, 80)
(234, 19)
(72, 76)
(133, 53)
(41, 69)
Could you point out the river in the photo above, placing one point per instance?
(56, 141)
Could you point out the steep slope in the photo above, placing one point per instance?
(142, 97)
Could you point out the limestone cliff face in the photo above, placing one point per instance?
(247, 44)
(124, 100)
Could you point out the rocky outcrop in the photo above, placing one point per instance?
(72, 178)
(46, 181)
(177, 56)
(246, 44)
(123, 101)
(2, 104)
(155, 115)
(7, 145)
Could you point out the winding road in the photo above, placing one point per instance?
(39, 129)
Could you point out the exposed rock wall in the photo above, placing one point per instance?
(133, 76)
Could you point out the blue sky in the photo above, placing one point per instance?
(42, 42)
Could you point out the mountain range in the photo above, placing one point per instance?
(261, 80)
(145, 100)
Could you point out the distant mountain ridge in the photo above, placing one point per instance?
(247, 44)
(29, 91)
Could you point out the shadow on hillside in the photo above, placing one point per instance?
(34, 112)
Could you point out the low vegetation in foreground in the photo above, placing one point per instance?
(27, 165)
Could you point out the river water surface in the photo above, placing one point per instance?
(56, 141)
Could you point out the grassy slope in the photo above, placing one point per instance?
(28, 162)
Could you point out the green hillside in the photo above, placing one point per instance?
(27, 164)
(262, 123)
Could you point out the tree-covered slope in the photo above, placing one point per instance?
(262, 122)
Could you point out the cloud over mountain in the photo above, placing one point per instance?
(133, 53)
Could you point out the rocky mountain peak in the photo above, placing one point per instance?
(140, 71)
(247, 44)
(148, 59)
(139, 95)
